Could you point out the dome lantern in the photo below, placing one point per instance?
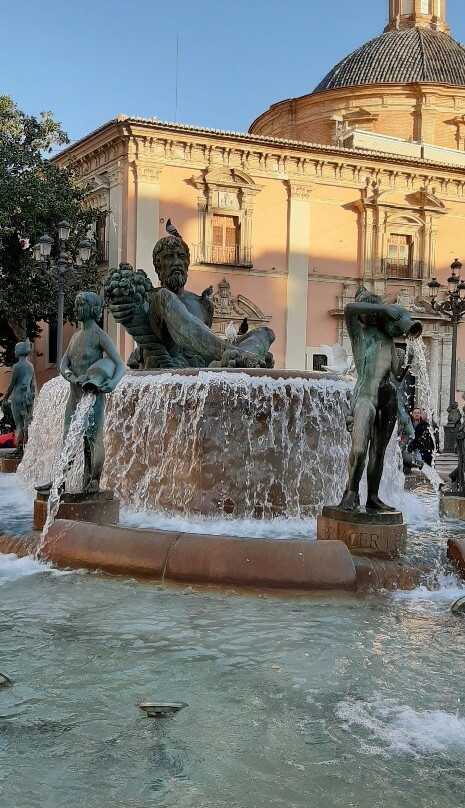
(417, 14)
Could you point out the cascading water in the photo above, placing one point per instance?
(419, 369)
(70, 451)
(216, 443)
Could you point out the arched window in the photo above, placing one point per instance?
(425, 6)
(408, 6)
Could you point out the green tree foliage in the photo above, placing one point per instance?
(35, 195)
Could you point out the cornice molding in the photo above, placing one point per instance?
(146, 129)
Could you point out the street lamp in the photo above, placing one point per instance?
(452, 307)
(57, 270)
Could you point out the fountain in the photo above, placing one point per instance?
(313, 690)
(248, 444)
(233, 440)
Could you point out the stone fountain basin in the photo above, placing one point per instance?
(247, 443)
(172, 557)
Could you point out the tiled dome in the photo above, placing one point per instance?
(401, 57)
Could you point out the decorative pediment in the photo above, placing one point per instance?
(359, 115)
(225, 178)
(416, 305)
(420, 200)
(404, 220)
(426, 199)
(229, 307)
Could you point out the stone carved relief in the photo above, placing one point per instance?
(229, 307)
(416, 304)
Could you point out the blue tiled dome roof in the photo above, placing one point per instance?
(405, 56)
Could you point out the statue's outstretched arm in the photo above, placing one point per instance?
(187, 331)
(354, 330)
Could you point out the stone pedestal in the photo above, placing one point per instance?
(9, 464)
(456, 553)
(365, 533)
(100, 507)
(452, 506)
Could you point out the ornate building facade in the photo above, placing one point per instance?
(361, 181)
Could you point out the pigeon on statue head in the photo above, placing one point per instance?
(170, 228)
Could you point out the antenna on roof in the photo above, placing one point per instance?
(177, 73)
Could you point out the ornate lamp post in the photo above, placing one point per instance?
(57, 270)
(452, 307)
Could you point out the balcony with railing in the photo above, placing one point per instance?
(398, 269)
(232, 255)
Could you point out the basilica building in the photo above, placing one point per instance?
(359, 182)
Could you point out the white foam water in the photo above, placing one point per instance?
(13, 568)
(157, 427)
(45, 435)
(278, 528)
(392, 729)
(71, 449)
(16, 504)
(419, 369)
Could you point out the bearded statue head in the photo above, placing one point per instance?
(171, 259)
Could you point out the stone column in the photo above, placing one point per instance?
(298, 251)
(115, 235)
(147, 215)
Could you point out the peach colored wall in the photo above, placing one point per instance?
(178, 202)
(269, 235)
(449, 247)
(321, 327)
(334, 232)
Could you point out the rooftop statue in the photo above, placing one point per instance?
(172, 326)
(91, 363)
(373, 327)
(22, 389)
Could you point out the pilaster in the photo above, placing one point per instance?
(148, 213)
(115, 237)
(298, 251)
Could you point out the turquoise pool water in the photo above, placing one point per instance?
(326, 701)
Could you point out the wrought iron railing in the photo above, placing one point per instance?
(234, 255)
(394, 268)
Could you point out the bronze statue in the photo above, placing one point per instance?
(22, 389)
(373, 327)
(171, 325)
(87, 369)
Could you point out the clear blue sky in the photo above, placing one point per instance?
(91, 60)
